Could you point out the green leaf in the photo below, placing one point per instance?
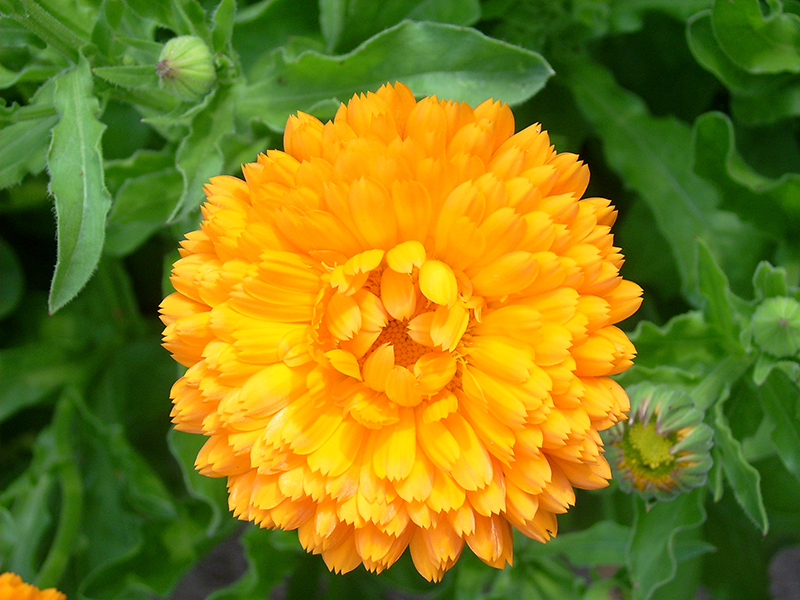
(758, 43)
(431, 58)
(720, 379)
(779, 397)
(141, 207)
(211, 491)
(30, 374)
(604, 543)
(652, 155)
(769, 281)
(24, 141)
(199, 157)
(129, 76)
(707, 52)
(12, 277)
(714, 287)
(75, 163)
(347, 23)
(685, 342)
(223, 25)
(743, 477)
(771, 205)
(651, 554)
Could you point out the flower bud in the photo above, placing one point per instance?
(664, 448)
(776, 326)
(186, 68)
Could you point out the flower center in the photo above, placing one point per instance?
(647, 454)
(406, 350)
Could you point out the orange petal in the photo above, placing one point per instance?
(342, 316)
(508, 274)
(401, 387)
(377, 367)
(344, 362)
(398, 294)
(434, 370)
(448, 325)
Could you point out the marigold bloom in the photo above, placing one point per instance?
(399, 333)
(13, 588)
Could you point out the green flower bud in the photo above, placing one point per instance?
(776, 326)
(186, 68)
(664, 448)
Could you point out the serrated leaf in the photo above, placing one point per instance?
(771, 205)
(129, 76)
(685, 342)
(652, 155)
(651, 553)
(743, 477)
(75, 163)
(779, 397)
(431, 58)
(758, 43)
(347, 23)
(199, 157)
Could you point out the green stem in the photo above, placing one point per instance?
(50, 29)
(71, 498)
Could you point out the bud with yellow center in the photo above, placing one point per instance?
(664, 448)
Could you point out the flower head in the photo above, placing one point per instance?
(399, 333)
(664, 448)
(13, 588)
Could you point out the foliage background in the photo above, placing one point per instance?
(686, 112)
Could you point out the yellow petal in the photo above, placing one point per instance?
(417, 485)
(438, 443)
(293, 349)
(342, 316)
(395, 448)
(401, 387)
(377, 367)
(473, 469)
(502, 357)
(404, 257)
(268, 391)
(344, 362)
(434, 370)
(508, 274)
(398, 294)
(438, 282)
(441, 406)
(448, 325)
(339, 451)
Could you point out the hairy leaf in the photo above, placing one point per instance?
(75, 163)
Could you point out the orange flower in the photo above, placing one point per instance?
(13, 588)
(399, 332)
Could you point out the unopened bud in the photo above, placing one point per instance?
(776, 326)
(186, 68)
